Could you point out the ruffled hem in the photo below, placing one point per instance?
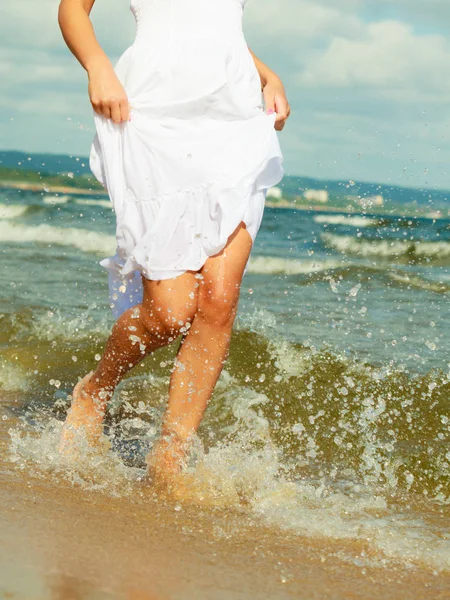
(162, 235)
(161, 254)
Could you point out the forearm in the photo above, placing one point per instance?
(78, 33)
(265, 73)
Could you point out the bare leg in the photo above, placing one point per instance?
(202, 354)
(166, 309)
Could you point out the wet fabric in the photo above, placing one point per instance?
(199, 152)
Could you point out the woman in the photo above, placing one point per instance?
(186, 151)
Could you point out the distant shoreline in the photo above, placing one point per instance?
(401, 211)
(54, 189)
(313, 208)
(58, 189)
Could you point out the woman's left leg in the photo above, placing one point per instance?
(202, 353)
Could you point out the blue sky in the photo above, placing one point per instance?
(368, 81)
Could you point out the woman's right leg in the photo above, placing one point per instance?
(167, 309)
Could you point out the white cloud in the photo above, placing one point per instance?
(31, 24)
(386, 54)
(425, 13)
(367, 80)
(369, 97)
(302, 19)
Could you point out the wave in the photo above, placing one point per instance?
(83, 239)
(65, 199)
(350, 221)
(12, 211)
(104, 244)
(325, 409)
(412, 250)
(13, 377)
(414, 281)
(273, 265)
(90, 202)
(302, 440)
(57, 199)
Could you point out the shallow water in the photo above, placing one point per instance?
(331, 420)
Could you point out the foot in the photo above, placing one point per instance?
(166, 461)
(167, 477)
(84, 422)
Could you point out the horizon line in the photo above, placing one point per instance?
(383, 183)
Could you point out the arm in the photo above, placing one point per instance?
(106, 93)
(274, 92)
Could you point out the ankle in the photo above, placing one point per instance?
(176, 436)
(94, 396)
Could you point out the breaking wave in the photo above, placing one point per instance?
(12, 211)
(272, 265)
(349, 221)
(418, 250)
(83, 239)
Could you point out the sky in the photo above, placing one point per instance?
(368, 83)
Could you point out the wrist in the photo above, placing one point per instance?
(271, 79)
(96, 64)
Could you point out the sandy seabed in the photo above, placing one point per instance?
(58, 541)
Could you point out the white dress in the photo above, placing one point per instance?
(200, 151)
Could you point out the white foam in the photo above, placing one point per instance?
(90, 202)
(350, 221)
(96, 470)
(347, 244)
(83, 239)
(63, 199)
(12, 376)
(12, 211)
(54, 325)
(415, 281)
(272, 265)
(246, 465)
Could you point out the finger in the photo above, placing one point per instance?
(115, 111)
(96, 105)
(125, 110)
(269, 101)
(281, 107)
(280, 121)
(105, 110)
(283, 112)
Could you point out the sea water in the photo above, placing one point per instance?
(331, 418)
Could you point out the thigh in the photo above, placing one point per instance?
(222, 273)
(174, 298)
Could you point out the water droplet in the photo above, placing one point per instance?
(354, 291)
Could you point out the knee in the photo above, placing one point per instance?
(168, 321)
(218, 303)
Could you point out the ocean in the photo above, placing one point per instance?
(330, 422)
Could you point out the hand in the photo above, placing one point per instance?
(107, 94)
(276, 101)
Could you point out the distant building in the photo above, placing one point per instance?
(275, 192)
(316, 195)
(377, 200)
